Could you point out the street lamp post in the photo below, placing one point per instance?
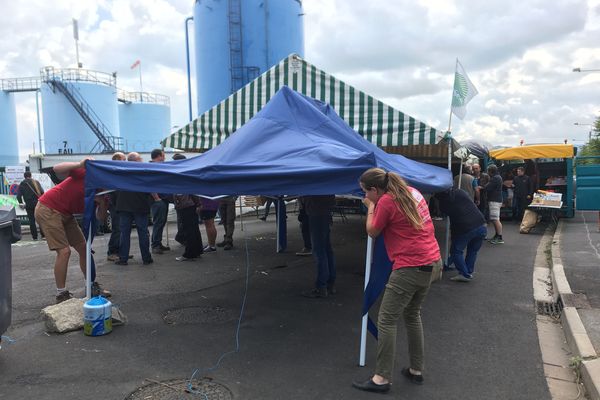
(590, 133)
(585, 70)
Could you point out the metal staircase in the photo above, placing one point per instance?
(107, 143)
(236, 58)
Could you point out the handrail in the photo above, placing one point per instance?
(78, 74)
(143, 97)
(26, 84)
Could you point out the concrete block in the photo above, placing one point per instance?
(562, 390)
(590, 372)
(576, 335)
(64, 317)
(542, 285)
(560, 284)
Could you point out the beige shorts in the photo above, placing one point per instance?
(494, 210)
(61, 230)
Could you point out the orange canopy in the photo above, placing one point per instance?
(534, 151)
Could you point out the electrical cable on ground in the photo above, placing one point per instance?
(7, 338)
(237, 333)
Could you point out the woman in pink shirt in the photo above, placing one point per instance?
(400, 213)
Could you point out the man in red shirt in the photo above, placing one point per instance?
(55, 212)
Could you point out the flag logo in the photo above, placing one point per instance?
(463, 91)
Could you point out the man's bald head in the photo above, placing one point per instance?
(133, 156)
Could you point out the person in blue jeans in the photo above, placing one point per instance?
(318, 209)
(133, 206)
(467, 226)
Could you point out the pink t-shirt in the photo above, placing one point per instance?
(68, 196)
(405, 245)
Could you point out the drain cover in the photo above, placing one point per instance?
(550, 309)
(176, 389)
(198, 315)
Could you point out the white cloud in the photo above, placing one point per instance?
(519, 53)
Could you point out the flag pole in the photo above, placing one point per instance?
(141, 87)
(449, 138)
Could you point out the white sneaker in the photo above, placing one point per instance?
(182, 258)
(460, 278)
(209, 249)
(304, 252)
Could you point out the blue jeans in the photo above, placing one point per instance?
(305, 229)
(322, 250)
(159, 211)
(519, 206)
(141, 222)
(472, 241)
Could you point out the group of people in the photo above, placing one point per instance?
(56, 210)
(395, 210)
(126, 207)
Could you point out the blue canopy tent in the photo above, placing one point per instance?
(295, 145)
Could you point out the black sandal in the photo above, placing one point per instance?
(416, 379)
(370, 386)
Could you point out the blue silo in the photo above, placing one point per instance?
(238, 40)
(65, 129)
(144, 121)
(9, 148)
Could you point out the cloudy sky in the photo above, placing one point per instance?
(520, 55)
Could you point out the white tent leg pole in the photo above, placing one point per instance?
(447, 244)
(167, 225)
(241, 214)
(277, 230)
(88, 264)
(460, 174)
(363, 329)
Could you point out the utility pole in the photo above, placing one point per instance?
(76, 37)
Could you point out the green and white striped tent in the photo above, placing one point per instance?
(375, 121)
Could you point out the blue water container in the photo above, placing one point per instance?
(97, 316)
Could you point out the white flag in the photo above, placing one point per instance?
(463, 91)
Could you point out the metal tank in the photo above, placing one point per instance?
(144, 120)
(9, 148)
(237, 40)
(65, 128)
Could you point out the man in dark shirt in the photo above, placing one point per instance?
(521, 193)
(493, 190)
(480, 179)
(318, 209)
(30, 191)
(159, 210)
(133, 206)
(467, 225)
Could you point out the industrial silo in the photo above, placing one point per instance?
(238, 40)
(73, 100)
(144, 120)
(9, 148)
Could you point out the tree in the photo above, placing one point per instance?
(592, 148)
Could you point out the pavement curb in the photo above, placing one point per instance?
(575, 332)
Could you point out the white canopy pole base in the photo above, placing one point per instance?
(88, 264)
(363, 330)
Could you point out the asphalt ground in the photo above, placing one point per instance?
(580, 254)
(481, 339)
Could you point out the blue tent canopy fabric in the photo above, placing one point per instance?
(295, 145)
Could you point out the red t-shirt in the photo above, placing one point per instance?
(67, 197)
(405, 245)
